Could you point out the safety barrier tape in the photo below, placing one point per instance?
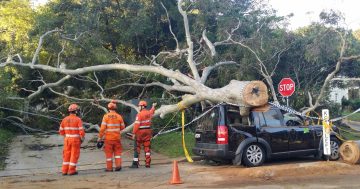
(282, 107)
(183, 137)
(192, 121)
(290, 110)
(339, 118)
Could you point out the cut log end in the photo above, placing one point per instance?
(350, 152)
(255, 94)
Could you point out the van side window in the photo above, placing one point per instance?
(258, 119)
(233, 118)
(272, 118)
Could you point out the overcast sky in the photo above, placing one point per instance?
(306, 11)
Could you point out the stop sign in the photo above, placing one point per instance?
(286, 87)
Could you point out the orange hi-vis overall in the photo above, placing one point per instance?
(143, 132)
(71, 127)
(111, 127)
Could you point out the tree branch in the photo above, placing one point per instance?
(209, 44)
(170, 28)
(206, 72)
(40, 44)
(180, 88)
(190, 50)
(48, 85)
(332, 74)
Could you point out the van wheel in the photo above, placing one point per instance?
(253, 155)
(335, 146)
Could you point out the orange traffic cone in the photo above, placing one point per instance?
(175, 176)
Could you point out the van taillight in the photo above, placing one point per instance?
(222, 135)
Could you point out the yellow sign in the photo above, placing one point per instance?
(326, 132)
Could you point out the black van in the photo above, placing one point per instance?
(222, 134)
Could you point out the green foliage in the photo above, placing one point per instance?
(349, 134)
(16, 19)
(353, 117)
(5, 139)
(351, 104)
(171, 144)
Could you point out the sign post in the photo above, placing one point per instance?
(286, 88)
(326, 133)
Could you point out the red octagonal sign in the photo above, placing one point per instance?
(286, 87)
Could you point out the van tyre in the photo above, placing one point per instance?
(335, 146)
(253, 155)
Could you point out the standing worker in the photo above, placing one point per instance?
(142, 133)
(111, 126)
(72, 129)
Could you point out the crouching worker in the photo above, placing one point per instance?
(72, 130)
(142, 133)
(110, 131)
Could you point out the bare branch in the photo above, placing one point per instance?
(92, 100)
(99, 106)
(40, 44)
(206, 72)
(179, 88)
(310, 100)
(75, 39)
(190, 49)
(208, 43)
(128, 67)
(332, 74)
(228, 40)
(49, 85)
(354, 57)
(170, 28)
(59, 54)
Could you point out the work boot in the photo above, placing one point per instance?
(134, 165)
(74, 173)
(64, 174)
(147, 166)
(108, 170)
(118, 169)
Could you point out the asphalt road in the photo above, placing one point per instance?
(294, 173)
(35, 163)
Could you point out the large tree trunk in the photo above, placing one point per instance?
(246, 93)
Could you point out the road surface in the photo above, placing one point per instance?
(34, 163)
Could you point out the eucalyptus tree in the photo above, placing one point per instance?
(87, 40)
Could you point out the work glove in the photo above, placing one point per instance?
(99, 143)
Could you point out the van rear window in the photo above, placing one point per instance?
(209, 121)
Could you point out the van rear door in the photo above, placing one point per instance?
(207, 126)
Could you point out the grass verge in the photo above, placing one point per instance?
(171, 144)
(354, 117)
(5, 139)
(349, 134)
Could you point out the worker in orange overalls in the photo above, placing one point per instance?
(110, 131)
(142, 134)
(72, 129)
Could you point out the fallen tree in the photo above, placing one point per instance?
(190, 82)
(244, 93)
